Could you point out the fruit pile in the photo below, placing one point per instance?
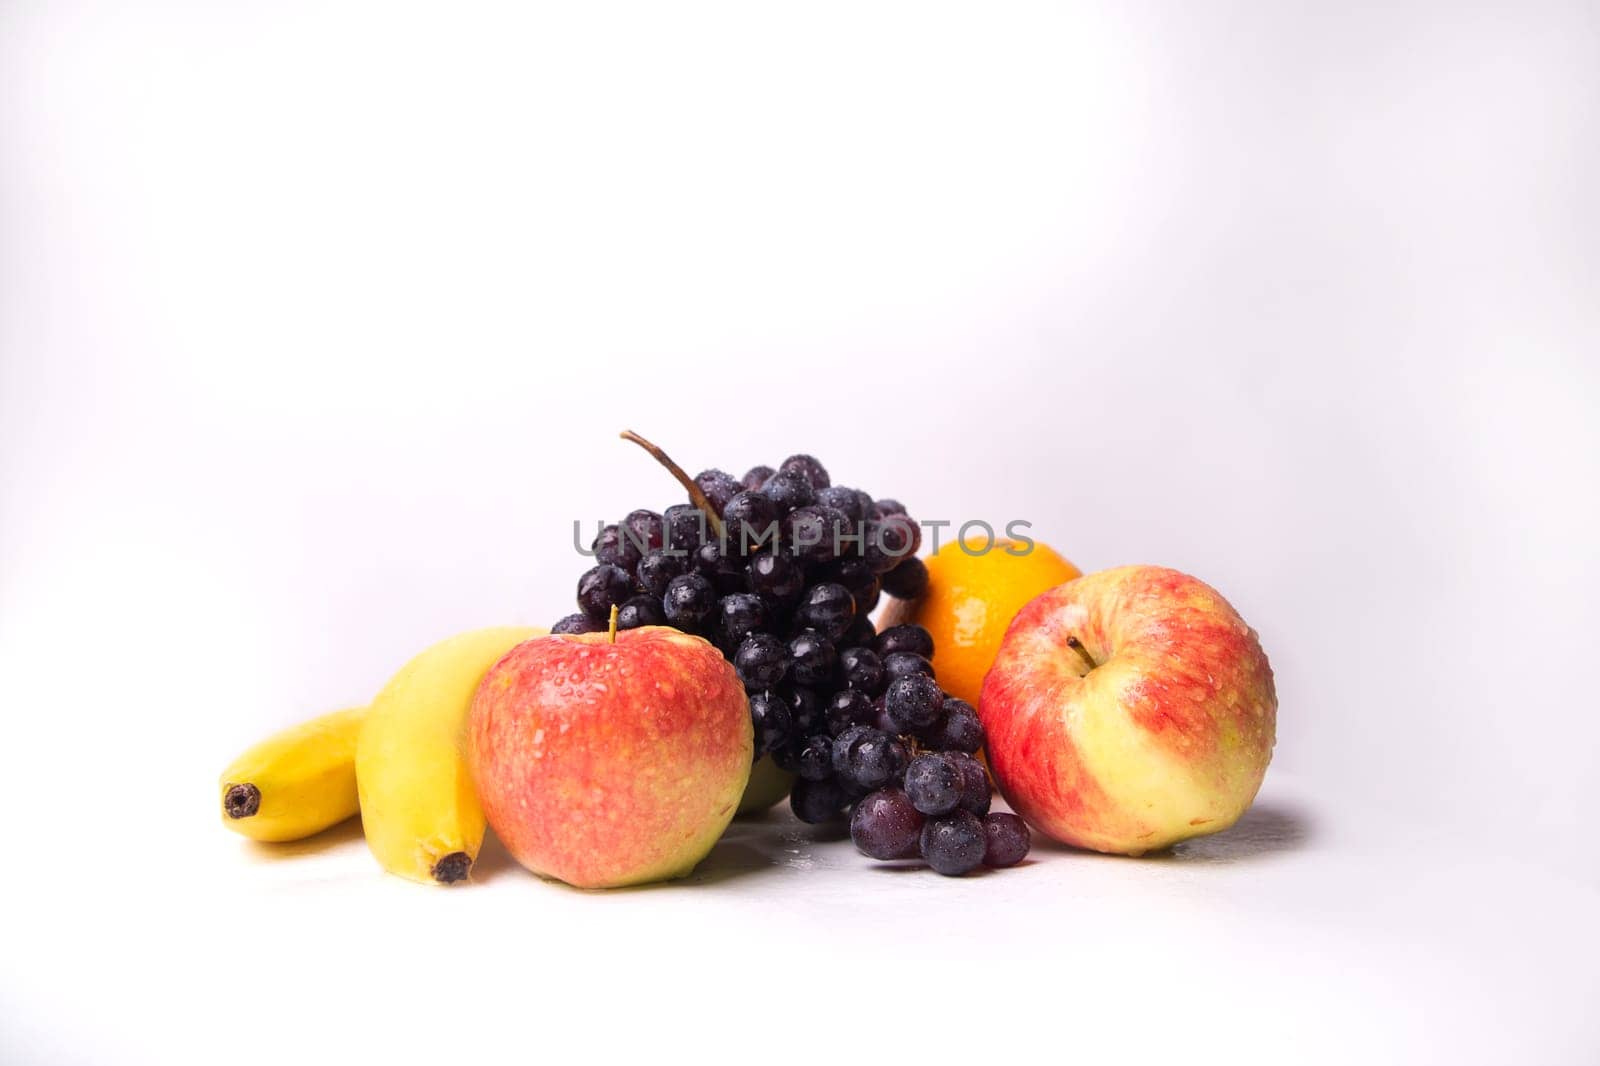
(780, 570)
(723, 655)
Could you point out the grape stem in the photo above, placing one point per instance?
(611, 630)
(696, 496)
(1083, 653)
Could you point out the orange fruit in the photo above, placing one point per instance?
(970, 601)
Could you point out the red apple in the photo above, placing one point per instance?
(1128, 710)
(606, 762)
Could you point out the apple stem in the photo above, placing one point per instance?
(1083, 653)
(611, 630)
(697, 497)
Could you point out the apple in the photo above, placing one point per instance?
(1128, 710)
(610, 759)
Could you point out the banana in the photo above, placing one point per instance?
(419, 807)
(295, 783)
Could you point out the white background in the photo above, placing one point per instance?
(317, 326)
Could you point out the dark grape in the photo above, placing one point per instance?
(806, 707)
(686, 527)
(856, 575)
(880, 717)
(787, 493)
(808, 533)
(870, 759)
(889, 507)
(749, 520)
(756, 476)
(861, 670)
(899, 759)
(960, 730)
(762, 660)
(905, 664)
(1006, 839)
(726, 573)
(827, 608)
(889, 542)
(811, 658)
(807, 467)
(656, 569)
(612, 547)
(815, 802)
(639, 611)
(975, 794)
(861, 633)
(814, 762)
(907, 527)
(884, 825)
(646, 530)
(689, 601)
(846, 501)
(852, 791)
(913, 702)
(786, 756)
(911, 638)
(954, 844)
(935, 784)
(719, 487)
(846, 708)
(841, 744)
(708, 559)
(770, 717)
(601, 588)
(775, 575)
(840, 535)
(579, 623)
(739, 615)
(908, 580)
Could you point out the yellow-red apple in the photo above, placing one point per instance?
(1128, 710)
(606, 760)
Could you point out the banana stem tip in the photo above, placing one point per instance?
(241, 801)
(452, 868)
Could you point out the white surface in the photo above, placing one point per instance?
(1313, 932)
(316, 326)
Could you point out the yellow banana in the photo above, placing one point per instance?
(419, 807)
(295, 783)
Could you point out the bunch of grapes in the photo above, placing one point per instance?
(780, 570)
